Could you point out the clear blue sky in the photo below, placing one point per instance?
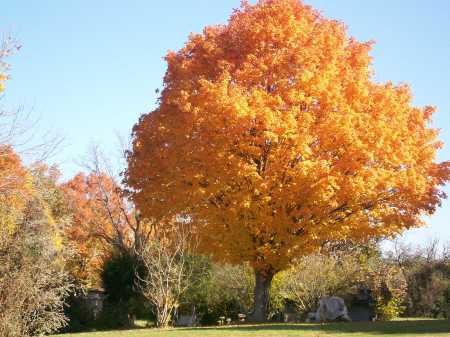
(89, 68)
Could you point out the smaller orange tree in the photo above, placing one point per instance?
(272, 137)
(100, 222)
(103, 222)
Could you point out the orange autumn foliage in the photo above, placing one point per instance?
(15, 188)
(272, 136)
(13, 175)
(100, 221)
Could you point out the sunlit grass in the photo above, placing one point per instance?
(398, 328)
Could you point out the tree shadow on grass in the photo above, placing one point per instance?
(387, 328)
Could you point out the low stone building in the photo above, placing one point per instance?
(93, 301)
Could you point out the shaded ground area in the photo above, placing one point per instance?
(430, 328)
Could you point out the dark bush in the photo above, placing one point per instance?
(119, 277)
(119, 282)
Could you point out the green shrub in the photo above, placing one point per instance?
(218, 290)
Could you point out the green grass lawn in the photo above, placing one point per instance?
(400, 328)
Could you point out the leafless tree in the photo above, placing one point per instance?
(167, 271)
(446, 251)
(18, 127)
(434, 249)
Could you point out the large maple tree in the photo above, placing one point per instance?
(273, 137)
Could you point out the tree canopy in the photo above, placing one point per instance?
(272, 135)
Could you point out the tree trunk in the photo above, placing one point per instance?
(164, 316)
(263, 280)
